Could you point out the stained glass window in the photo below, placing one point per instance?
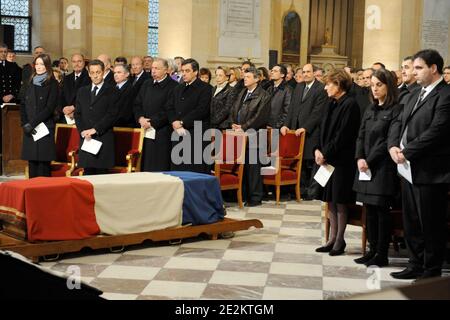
(16, 13)
(153, 25)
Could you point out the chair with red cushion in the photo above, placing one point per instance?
(229, 163)
(288, 166)
(67, 140)
(128, 150)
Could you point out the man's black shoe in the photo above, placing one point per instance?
(407, 274)
(428, 275)
(253, 203)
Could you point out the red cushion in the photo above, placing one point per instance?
(228, 179)
(124, 142)
(59, 170)
(289, 146)
(67, 140)
(231, 147)
(115, 170)
(285, 175)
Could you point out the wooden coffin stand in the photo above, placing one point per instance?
(37, 250)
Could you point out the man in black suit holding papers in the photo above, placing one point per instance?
(421, 142)
(95, 116)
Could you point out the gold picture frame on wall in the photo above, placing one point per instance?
(291, 38)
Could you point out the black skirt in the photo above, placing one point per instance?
(339, 188)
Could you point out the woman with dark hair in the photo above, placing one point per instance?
(40, 103)
(378, 189)
(205, 75)
(219, 111)
(339, 130)
(265, 78)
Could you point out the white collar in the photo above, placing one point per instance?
(139, 75)
(159, 81)
(431, 87)
(99, 86)
(120, 85)
(310, 85)
(106, 74)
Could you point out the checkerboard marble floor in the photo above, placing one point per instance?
(277, 262)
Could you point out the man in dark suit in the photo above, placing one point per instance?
(124, 95)
(423, 141)
(409, 83)
(71, 84)
(10, 78)
(95, 116)
(281, 94)
(189, 105)
(306, 111)
(361, 94)
(109, 75)
(251, 111)
(150, 111)
(139, 74)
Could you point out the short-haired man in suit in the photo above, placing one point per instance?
(251, 111)
(447, 74)
(306, 110)
(95, 116)
(423, 141)
(189, 104)
(71, 84)
(409, 83)
(139, 74)
(109, 74)
(124, 95)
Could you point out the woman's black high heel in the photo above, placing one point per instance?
(327, 248)
(339, 251)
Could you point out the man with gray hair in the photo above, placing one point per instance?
(139, 75)
(151, 114)
(109, 75)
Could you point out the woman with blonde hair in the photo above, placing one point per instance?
(235, 76)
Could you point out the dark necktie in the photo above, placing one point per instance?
(305, 93)
(248, 96)
(94, 93)
(76, 78)
(405, 134)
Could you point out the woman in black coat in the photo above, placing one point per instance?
(219, 111)
(40, 103)
(373, 157)
(338, 134)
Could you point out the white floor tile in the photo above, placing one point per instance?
(239, 278)
(301, 232)
(128, 272)
(346, 285)
(217, 244)
(192, 263)
(266, 211)
(174, 289)
(163, 251)
(296, 269)
(272, 293)
(241, 255)
(118, 296)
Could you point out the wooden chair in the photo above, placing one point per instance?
(229, 163)
(288, 163)
(67, 141)
(128, 149)
(356, 217)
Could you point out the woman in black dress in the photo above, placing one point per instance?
(373, 157)
(339, 130)
(40, 103)
(219, 111)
